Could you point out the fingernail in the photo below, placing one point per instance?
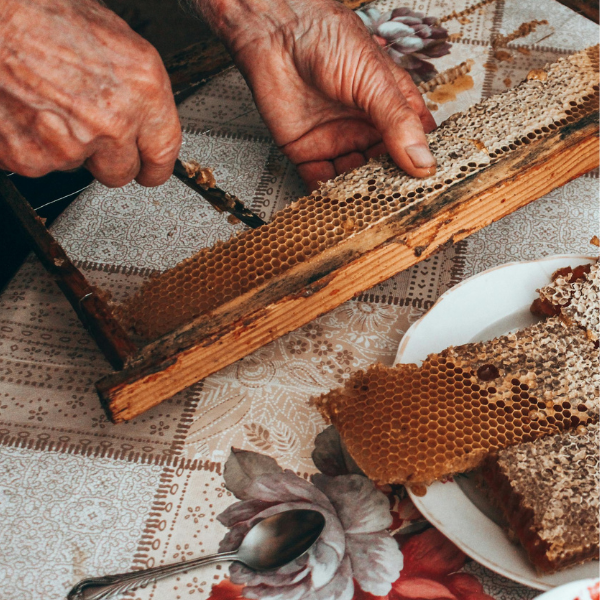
(421, 157)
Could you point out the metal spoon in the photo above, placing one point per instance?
(271, 543)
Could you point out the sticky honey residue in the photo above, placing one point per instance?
(537, 74)
(447, 76)
(507, 81)
(503, 56)
(479, 145)
(348, 224)
(523, 30)
(447, 92)
(490, 66)
(202, 175)
(418, 489)
(523, 50)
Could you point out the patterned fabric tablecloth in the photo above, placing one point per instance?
(80, 496)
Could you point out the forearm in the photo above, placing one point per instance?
(240, 22)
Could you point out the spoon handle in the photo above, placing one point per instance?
(103, 588)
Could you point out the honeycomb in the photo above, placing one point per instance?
(414, 425)
(548, 491)
(570, 294)
(356, 201)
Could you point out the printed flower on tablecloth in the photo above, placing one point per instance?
(323, 348)
(365, 317)
(297, 346)
(410, 38)
(431, 570)
(356, 558)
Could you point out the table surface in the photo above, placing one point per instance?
(81, 497)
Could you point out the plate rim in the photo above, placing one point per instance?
(486, 561)
(410, 331)
(549, 595)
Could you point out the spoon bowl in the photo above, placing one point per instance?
(280, 539)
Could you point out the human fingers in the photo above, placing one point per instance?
(348, 162)
(35, 142)
(413, 96)
(83, 88)
(379, 96)
(159, 137)
(314, 172)
(333, 139)
(376, 150)
(114, 164)
(158, 156)
(408, 88)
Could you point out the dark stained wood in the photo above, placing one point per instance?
(212, 342)
(87, 301)
(190, 68)
(587, 8)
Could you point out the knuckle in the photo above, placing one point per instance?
(114, 180)
(164, 154)
(112, 174)
(402, 75)
(154, 66)
(152, 179)
(37, 164)
(115, 183)
(405, 114)
(34, 171)
(72, 153)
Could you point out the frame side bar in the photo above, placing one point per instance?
(86, 300)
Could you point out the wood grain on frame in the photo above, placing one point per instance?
(88, 302)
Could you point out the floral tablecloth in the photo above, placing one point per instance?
(80, 496)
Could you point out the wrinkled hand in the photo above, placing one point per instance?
(329, 94)
(78, 86)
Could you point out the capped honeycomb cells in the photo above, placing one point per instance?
(572, 292)
(416, 425)
(346, 206)
(548, 491)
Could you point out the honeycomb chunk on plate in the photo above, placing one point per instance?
(414, 425)
(548, 492)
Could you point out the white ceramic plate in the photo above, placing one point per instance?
(485, 306)
(576, 590)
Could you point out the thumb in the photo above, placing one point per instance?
(401, 129)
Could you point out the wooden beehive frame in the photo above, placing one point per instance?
(502, 178)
